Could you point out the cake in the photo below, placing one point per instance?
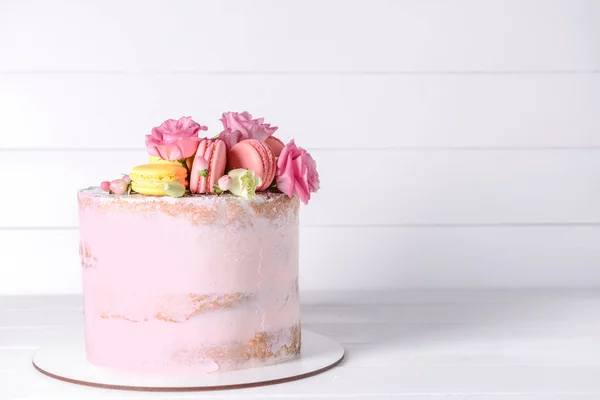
(190, 263)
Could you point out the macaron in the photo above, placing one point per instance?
(275, 144)
(212, 156)
(255, 156)
(150, 179)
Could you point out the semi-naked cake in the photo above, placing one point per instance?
(190, 262)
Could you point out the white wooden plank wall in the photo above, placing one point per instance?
(458, 141)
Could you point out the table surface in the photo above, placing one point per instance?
(468, 344)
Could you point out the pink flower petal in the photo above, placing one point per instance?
(174, 139)
(231, 138)
(313, 175)
(285, 179)
(247, 127)
(296, 172)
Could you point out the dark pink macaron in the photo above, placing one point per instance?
(214, 152)
(256, 156)
(275, 144)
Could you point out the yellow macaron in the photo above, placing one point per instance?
(150, 179)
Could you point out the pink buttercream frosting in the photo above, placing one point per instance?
(199, 283)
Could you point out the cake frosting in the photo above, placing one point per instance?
(201, 282)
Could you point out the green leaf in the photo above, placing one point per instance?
(174, 189)
(203, 173)
(218, 190)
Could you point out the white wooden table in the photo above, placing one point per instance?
(511, 344)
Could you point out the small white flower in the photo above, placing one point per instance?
(244, 183)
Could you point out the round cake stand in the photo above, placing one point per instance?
(68, 363)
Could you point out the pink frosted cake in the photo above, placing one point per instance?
(190, 263)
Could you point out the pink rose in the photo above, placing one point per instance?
(238, 127)
(174, 139)
(297, 172)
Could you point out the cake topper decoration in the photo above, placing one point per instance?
(174, 139)
(243, 159)
(117, 186)
(175, 189)
(241, 126)
(297, 172)
(243, 183)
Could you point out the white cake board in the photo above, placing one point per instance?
(68, 363)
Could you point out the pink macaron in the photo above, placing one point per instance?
(255, 156)
(275, 144)
(211, 155)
